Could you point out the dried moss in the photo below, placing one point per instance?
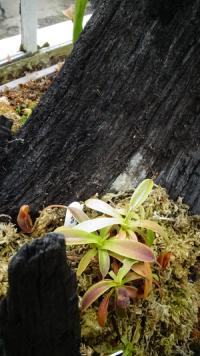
(167, 320)
(10, 242)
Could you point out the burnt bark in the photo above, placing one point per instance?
(40, 315)
(131, 88)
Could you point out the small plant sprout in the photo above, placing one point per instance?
(121, 240)
(102, 245)
(115, 233)
(117, 285)
(131, 221)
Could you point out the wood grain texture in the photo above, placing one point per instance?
(131, 84)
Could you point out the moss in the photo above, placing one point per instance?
(163, 323)
(166, 323)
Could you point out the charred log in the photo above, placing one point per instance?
(131, 88)
(40, 315)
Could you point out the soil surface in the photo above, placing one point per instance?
(17, 104)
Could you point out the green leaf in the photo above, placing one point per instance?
(77, 237)
(131, 276)
(95, 291)
(149, 225)
(150, 236)
(156, 277)
(104, 262)
(70, 241)
(141, 193)
(126, 267)
(97, 224)
(104, 233)
(112, 275)
(85, 261)
(130, 249)
(102, 207)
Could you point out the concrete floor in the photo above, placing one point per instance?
(49, 12)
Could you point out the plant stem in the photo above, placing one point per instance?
(80, 6)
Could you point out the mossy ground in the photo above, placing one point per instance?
(167, 321)
(17, 104)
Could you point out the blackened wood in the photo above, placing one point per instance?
(5, 138)
(40, 315)
(131, 86)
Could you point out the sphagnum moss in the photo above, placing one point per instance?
(161, 324)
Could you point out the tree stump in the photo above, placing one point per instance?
(128, 96)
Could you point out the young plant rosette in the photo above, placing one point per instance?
(115, 235)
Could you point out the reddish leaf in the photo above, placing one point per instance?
(144, 270)
(139, 268)
(121, 235)
(103, 310)
(132, 235)
(164, 259)
(130, 249)
(148, 280)
(95, 291)
(115, 266)
(24, 220)
(132, 292)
